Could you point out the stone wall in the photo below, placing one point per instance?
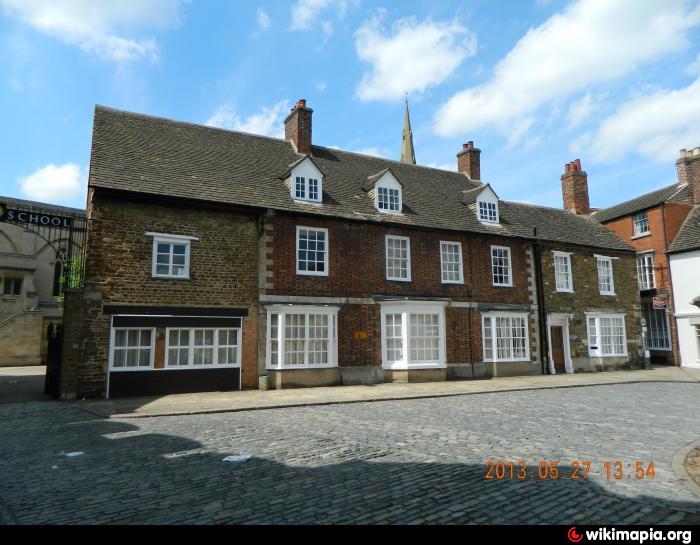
(587, 298)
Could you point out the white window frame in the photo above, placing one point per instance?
(388, 185)
(597, 350)
(642, 268)
(485, 205)
(408, 257)
(570, 276)
(191, 347)
(406, 309)
(508, 284)
(494, 337)
(282, 311)
(443, 263)
(305, 172)
(697, 342)
(325, 257)
(163, 238)
(112, 349)
(609, 260)
(637, 220)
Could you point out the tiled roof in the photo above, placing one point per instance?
(139, 153)
(688, 237)
(41, 206)
(672, 193)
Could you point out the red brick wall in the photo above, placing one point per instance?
(664, 223)
(357, 263)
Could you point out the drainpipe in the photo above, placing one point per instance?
(470, 297)
(537, 253)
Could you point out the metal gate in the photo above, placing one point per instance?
(53, 360)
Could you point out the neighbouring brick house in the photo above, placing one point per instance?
(340, 268)
(650, 223)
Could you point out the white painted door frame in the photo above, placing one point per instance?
(563, 321)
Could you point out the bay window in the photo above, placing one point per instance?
(505, 337)
(413, 335)
(301, 337)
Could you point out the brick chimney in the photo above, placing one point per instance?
(297, 127)
(574, 187)
(469, 161)
(688, 166)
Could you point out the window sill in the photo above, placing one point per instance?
(163, 277)
(508, 361)
(641, 235)
(502, 285)
(398, 279)
(565, 291)
(302, 273)
(608, 355)
(609, 294)
(412, 366)
(301, 367)
(453, 282)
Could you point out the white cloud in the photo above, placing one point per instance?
(374, 151)
(656, 126)
(589, 42)
(100, 28)
(54, 183)
(268, 122)
(321, 86)
(693, 68)
(581, 110)
(305, 13)
(411, 57)
(263, 19)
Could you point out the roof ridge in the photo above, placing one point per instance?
(281, 140)
(190, 123)
(680, 187)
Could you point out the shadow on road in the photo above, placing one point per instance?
(19, 384)
(125, 475)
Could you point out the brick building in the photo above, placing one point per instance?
(650, 223)
(327, 267)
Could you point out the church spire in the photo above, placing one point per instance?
(407, 154)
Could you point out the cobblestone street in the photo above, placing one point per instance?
(409, 461)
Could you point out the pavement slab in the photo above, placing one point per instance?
(212, 402)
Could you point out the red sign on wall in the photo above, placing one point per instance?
(659, 302)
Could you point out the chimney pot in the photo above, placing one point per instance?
(684, 153)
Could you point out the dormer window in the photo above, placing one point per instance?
(487, 205)
(389, 199)
(488, 212)
(306, 189)
(386, 191)
(305, 181)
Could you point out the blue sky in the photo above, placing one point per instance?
(535, 83)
